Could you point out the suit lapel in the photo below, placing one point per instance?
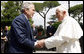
(28, 26)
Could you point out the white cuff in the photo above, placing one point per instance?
(35, 43)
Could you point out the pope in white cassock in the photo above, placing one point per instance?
(66, 38)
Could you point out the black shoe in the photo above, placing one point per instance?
(53, 49)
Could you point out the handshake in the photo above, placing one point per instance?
(40, 43)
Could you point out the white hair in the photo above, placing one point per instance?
(62, 8)
(26, 5)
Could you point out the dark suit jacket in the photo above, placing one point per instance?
(50, 30)
(20, 36)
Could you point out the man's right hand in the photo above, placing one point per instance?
(40, 44)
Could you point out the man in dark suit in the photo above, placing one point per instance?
(50, 30)
(20, 37)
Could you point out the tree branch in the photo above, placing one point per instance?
(43, 13)
(40, 15)
(47, 10)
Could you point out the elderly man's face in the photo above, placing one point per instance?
(31, 11)
(59, 14)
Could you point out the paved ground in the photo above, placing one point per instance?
(45, 51)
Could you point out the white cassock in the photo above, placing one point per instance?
(66, 38)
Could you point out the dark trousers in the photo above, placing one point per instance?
(2, 46)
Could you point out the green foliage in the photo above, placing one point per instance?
(9, 27)
(51, 4)
(38, 6)
(30, 20)
(10, 10)
(47, 4)
(56, 24)
(76, 10)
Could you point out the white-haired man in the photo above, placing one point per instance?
(66, 38)
(20, 37)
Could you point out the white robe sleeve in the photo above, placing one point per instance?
(53, 41)
(66, 32)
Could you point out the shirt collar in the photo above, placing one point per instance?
(25, 16)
